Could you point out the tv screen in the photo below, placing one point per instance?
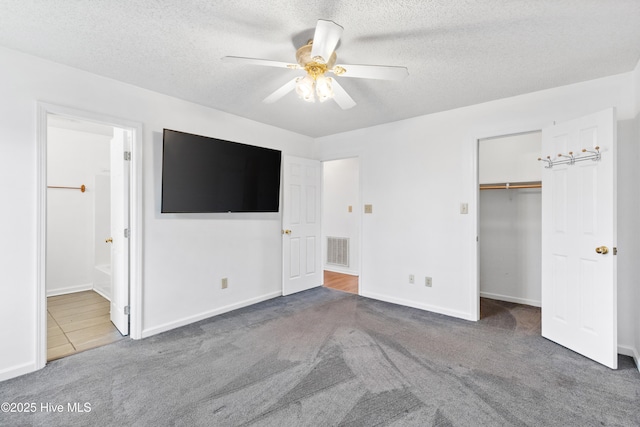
(202, 174)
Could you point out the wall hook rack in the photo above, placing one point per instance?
(570, 159)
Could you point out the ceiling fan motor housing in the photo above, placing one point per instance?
(303, 57)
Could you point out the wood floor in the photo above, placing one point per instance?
(341, 282)
(77, 322)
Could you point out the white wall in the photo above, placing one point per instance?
(74, 159)
(184, 256)
(416, 173)
(340, 189)
(510, 245)
(509, 159)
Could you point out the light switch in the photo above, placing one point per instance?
(350, 208)
(464, 208)
(368, 209)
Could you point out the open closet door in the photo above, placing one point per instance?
(301, 264)
(120, 159)
(579, 301)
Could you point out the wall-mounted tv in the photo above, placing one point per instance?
(202, 174)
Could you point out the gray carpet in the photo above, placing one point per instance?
(326, 358)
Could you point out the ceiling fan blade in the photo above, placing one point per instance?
(279, 93)
(256, 61)
(341, 96)
(325, 39)
(380, 72)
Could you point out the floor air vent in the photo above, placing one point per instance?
(338, 251)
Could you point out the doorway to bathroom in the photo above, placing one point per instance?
(87, 216)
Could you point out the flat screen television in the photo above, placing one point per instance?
(202, 174)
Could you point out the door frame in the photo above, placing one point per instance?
(474, 259)
(135, 221)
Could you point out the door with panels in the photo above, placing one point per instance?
(302, 268)
(579, 296)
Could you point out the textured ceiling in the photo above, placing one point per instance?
(458, 52)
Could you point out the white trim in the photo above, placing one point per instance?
(135, 238)
(40, 334)
(102, 294)
(16, 371)
(474, 257)
(413, 304)
(627, 351)
(135, 224)
(525, 301)
(70, 290)
(207, 314)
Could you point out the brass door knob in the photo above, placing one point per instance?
(286, 231)
(109, 240)
(602, 250)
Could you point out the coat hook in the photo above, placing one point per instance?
(548, 161)
(572, 159)
(595, 155)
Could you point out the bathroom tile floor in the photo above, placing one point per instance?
(77, 322)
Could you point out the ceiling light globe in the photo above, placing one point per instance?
(324, 88)
(304, 88)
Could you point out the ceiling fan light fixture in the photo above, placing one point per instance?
(324, 88)
(305, 88)
(318, 57)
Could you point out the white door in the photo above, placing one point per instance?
(119, 223)
(579, 309)
(302, 268)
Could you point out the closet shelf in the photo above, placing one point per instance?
(511, 185)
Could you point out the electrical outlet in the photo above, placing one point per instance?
(428, 282)
(225, 283)
(412, 279)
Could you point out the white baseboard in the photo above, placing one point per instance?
(102, 293)
(16, 371)
(413, 304)
(631, 352)
(506, 298)
(196, 318)
(69, 289)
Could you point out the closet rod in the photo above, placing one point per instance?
(81, 188)
(508, 186)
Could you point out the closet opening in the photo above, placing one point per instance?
(510, 197)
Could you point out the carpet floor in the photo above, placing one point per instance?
(328, 358)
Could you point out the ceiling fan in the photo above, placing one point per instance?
(317, 58)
